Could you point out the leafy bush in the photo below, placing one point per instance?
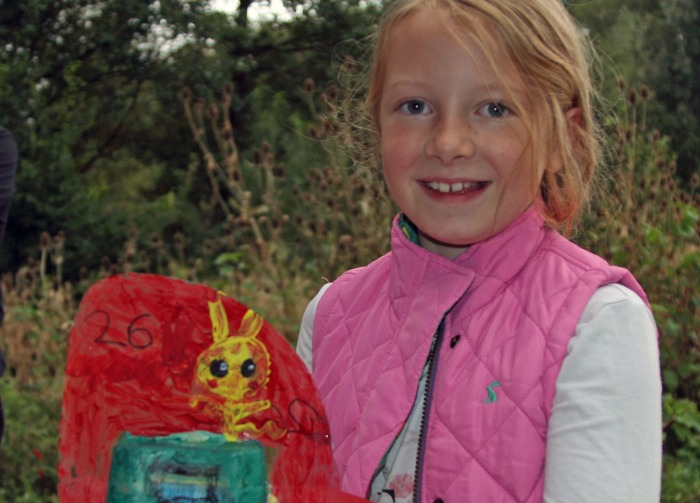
(682, 450)
(648, 222)
(34, 337)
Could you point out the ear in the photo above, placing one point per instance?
(574, 117)
(251, 324)
(219, 320)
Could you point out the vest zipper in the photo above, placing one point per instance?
(427, 400)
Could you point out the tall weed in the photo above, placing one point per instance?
(648, 221)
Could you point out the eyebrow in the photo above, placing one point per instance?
(403, 81)
(491, 87)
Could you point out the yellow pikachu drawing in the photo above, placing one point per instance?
(236, 367)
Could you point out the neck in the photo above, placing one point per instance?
(448, 251)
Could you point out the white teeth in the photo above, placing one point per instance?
(447, 187)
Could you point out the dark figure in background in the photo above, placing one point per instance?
(8, 167)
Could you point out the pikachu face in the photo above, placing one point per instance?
(235, 369)
(236, 366)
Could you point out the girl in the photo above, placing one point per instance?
(486, 358)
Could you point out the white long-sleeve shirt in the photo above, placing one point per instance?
(604, 438)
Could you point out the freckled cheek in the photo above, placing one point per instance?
(395, 174)
(510, 157)
(397, 156)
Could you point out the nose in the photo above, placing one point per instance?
(452, 139)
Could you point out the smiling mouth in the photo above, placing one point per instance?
(455, 188)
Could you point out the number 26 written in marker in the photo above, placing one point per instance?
(137, 337)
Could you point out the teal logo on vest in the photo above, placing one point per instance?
(492, 396)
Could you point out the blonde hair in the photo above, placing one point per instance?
(551, 55)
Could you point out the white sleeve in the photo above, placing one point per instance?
(604, 438)
(306, 331)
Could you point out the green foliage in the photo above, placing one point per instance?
(77, 94)
(91, 90)
(34, 338)
(656, 43)
(29, 454)
(681, 450)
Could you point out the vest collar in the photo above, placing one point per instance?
(419, 276)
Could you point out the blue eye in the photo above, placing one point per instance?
(414, 107)
(495, 110)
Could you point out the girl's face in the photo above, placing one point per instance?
(454, 151)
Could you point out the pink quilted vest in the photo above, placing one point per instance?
(506, 309)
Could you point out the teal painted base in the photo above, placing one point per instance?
(187, 468)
